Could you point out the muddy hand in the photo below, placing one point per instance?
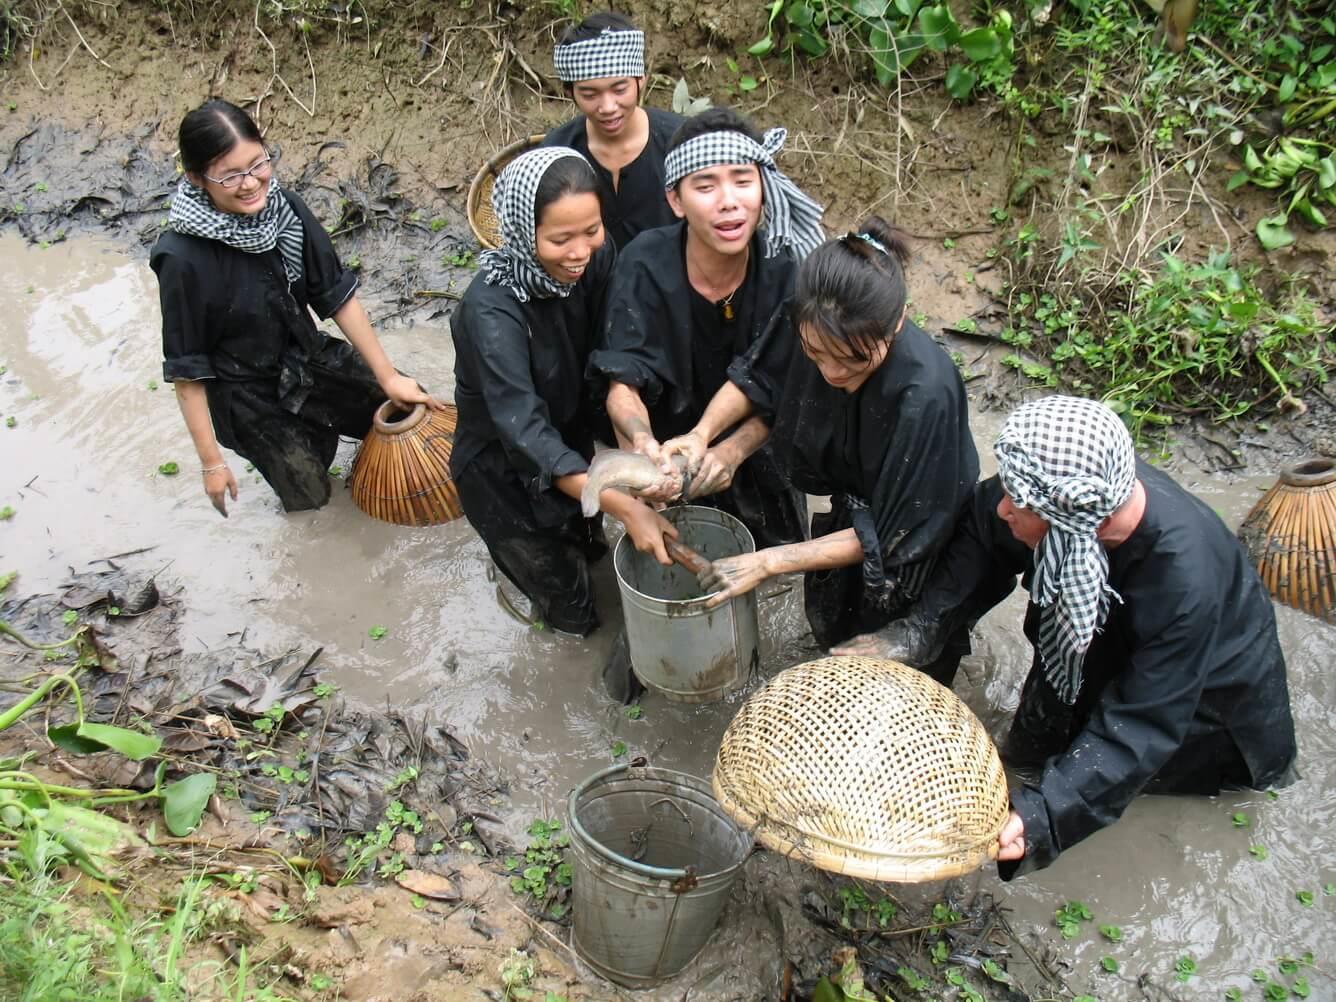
(692, 447)
(715, 474)
(405, 391)
(650, 532)
(911, 641)
(729, 577)
(217, 485)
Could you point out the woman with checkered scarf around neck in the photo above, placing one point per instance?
(240, 267)
(1157, 667)
(861, 405)
(686, 300)
(525, 432)
(601, 64)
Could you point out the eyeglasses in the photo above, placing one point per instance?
(260, 171)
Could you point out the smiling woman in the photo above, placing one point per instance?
(522, 335)
(241, 266)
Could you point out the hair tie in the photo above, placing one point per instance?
(873, 241)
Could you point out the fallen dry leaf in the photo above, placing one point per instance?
(429, 885)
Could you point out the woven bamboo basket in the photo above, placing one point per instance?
(402, 471)
(1291, 537)
(481, 217)
(866, 768)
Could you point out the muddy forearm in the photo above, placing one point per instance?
(194, 404)
(630, 417)
(839, 549)
(356, 326)
(743, 442)
(729, 406)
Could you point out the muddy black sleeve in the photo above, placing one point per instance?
(760, 372)
(328, 283)
(636, 341)
(185, 315)
(495, 337)
(1139, 722)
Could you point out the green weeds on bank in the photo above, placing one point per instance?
(542, 874)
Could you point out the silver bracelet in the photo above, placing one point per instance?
(213, 469)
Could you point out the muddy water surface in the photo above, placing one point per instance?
(80, 470)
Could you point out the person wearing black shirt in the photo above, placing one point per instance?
(239, 269)
(863, 406)
(524, 435)
(686, 299)
(1157, 666)
(601, 63)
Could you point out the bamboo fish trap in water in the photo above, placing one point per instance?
(1291, 537)
(402, 471)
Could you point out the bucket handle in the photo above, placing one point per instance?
(659, 872)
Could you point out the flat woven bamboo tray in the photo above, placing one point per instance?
(866, 768)
(481, 217)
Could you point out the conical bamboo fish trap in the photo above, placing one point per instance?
(1291, 537)
(866, 768)
(402, 471)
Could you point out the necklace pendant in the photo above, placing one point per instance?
(728, 311)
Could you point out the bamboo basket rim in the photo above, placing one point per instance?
(1316, 472)
(898, 770)
(487, 236)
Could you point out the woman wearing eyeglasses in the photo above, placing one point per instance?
(242, 264)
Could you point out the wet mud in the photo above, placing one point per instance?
(81, 464)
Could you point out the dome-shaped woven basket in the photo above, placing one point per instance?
(1291, 537)
(402, 471)
(865, 768)
(481, 218)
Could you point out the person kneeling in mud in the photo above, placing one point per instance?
(242, 264)
(524, 437)
(1157, 667)
(686, 299)
(601, 63)
(864, 406)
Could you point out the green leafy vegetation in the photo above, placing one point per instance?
(542, 874)
(1069, 917)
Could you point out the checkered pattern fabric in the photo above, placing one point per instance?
(275, 225)
(515, 263)
(1072, 462)
(792, 219)
(610, 54)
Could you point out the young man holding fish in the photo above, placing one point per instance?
(1157, 667)
(685, 300)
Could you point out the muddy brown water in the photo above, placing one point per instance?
(80, 470)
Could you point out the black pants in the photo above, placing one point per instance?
(543, 544)
(293, 451)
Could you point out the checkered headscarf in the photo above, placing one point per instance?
(277, 224)
(792, 219)
(1072, 462)
(515, 263)
(611, 53)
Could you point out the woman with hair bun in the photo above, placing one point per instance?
(242, 264)
(864, 406)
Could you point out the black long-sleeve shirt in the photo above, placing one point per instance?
(638, 202)
(661, 336)
(519, 376)
(1190, 650)
(901, 441)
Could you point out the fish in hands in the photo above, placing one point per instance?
(632, 472)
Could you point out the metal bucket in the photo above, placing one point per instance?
(678, 647)
(653, 860)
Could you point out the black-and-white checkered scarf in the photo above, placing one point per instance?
(792, 219)
(1072, 462)
(611, 53)
(515, 263)
(276, 225)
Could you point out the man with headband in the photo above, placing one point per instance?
(601, 63)
(1157, 667)
(685, 300)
